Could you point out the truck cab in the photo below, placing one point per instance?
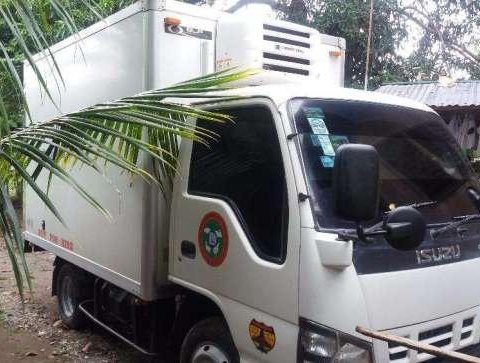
(254, 227)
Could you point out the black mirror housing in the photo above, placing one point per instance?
(356, 182)
(405, 228)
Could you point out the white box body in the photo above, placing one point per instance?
(129, 52)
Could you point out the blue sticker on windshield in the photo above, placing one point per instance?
(328, 143)
(327, 161)
(318, 126)
(325, 143)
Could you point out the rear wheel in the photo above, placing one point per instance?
(209, 341)
(72, 289)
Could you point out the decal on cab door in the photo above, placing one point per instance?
(213, 239)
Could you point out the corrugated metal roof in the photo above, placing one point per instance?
(434, 94)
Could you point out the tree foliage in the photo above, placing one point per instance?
(444, 36)
(82, 14)
(449, 36)
(349, 19)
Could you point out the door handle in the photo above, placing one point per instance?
(188, 249)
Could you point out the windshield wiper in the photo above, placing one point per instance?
(416, 205)
(459, 220)
(453, 225)
(422, 204)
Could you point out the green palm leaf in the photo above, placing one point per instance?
(118, 133)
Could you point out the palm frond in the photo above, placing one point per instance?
(116, 132)
(24, 31)
(14, 242)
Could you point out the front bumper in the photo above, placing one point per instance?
(459, 332)
(473, 350)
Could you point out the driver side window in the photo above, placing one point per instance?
(244, 167)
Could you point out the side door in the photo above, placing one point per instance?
(237, 204)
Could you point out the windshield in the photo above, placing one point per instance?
(420, 161)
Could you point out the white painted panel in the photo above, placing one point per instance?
(104, 66)
(403, 298)
(112, 65)
(258, 289)
(329, 296)
(182, 56)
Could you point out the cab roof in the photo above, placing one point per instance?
(281, 92)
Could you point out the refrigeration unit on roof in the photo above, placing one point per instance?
(280, 47)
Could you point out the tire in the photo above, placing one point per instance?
(209, 340)
(72, 289)
(28, 247)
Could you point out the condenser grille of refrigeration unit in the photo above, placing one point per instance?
(286, 50)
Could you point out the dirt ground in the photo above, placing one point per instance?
(33, 332)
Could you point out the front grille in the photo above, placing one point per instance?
(438, 337)
(473, 350)
(397, 352)
(456, 332)
(467, 330)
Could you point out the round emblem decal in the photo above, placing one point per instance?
(213, 239)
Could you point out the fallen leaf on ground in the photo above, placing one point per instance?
(87, 347)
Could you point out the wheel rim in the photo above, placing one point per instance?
(209, 353)
(67, 301)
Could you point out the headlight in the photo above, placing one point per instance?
(318, 344)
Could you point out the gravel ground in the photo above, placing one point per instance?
(33, 332)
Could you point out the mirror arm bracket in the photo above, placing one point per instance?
(361, 233)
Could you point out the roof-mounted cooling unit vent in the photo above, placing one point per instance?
(286, 50)
(280, 48)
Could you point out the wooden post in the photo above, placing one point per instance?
(418, 346)
(369, 40)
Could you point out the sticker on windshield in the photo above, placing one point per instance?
(315, 141)
(318, 126)
(311, 112)
(326, 144)
(327, 161)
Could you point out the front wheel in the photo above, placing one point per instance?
(209, 341)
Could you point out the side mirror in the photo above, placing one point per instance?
(356, 195)
(355, 182)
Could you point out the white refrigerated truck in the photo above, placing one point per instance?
(320, 209)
